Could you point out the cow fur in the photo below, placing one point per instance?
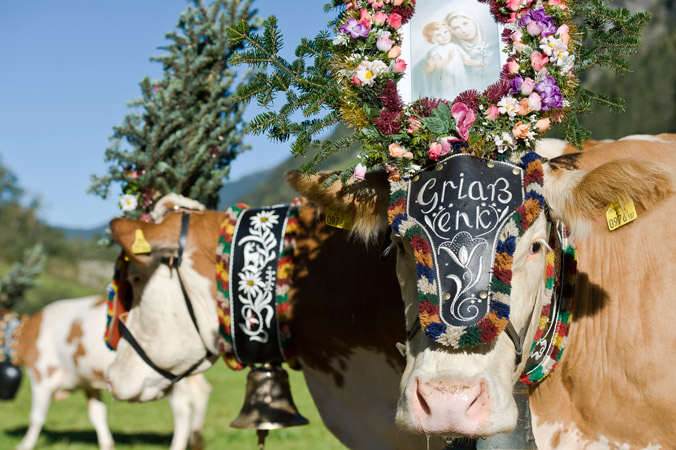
(63, 350)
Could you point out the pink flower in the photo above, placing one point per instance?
(394, 53)
(543, 125)
(445, 145)
(408, 155)
(413, 125)
(435, 151)
(492, 113)
(523, 108)
(538, 61)
(514, 5)
(464, 119)
(384, 43)
(512, 66)
(365, 18)
(396, 150)
(394, 20)
(516, 36)
(527, 86)
(521, 130)
(535, 101)
(146, 218)
(379, 18)
(375, 4)
(563, 33)
(399, 65)
(134, 175)
(397, 2)
(356, 80)
(359, 172)
(558, 3)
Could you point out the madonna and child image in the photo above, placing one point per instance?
(454, 46)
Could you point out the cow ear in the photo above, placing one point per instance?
(365, 201)
(162, 238)
(580, 198)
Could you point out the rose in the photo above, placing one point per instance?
(394, 52)
(527, 86)
(492, 112)
(523, 108)
(464, 118)
(397, 2)
(535, 102)
(356, 80)
(365, 18)
(379, 18)
(375, 4)
(563, 33)
(538, 60)
(394, 20)
(543, 125)
(384, 43)
(399, 65)
(512, 66)
(435, 151)
(413, 125)
(521, 130)
(359, 172)
(396, 150)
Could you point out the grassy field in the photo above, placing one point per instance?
(150, 425)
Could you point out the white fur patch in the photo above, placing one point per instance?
(550, 148)
(171, 202)
(644, 137)
(570, 438)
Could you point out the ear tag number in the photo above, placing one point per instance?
(140, 244)
(618, 214)
(339, 219)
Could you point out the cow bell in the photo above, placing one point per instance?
(10, 379)
(268, 404)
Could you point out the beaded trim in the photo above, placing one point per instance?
(495, 321)
(284, 274)
(11, 327)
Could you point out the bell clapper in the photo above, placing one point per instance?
(262, 434)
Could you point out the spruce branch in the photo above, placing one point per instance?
(21, 277)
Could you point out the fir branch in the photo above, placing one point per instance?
(21, 277)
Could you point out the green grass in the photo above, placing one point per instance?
(150, 425)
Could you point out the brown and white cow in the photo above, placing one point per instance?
(346, 321)
(63, 350)
(612, 388)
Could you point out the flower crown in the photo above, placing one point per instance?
(499, 123)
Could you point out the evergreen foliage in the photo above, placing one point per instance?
(184, 132)
(21, 277)
(608, 36)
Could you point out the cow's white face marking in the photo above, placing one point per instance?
(469, 392)
(160, 322)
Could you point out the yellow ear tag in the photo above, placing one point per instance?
(140, 244)
(618, 215)
(339, 219)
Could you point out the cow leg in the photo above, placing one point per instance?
(41, 398)
(179, 399)
(200, 390)
(97, 417)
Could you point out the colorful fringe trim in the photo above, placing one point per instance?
(115, 307)
(284, 275)
(495, 321)
(11, 328)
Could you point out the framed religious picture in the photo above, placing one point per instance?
(452, 46)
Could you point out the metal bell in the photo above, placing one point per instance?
(10, 379)
(268, 404)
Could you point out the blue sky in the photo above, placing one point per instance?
(67, 70)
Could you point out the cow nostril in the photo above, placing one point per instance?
(421, 399)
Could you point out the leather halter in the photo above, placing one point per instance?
(173, 262)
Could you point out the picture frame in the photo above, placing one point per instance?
(452, 46)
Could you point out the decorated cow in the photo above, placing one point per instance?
(338, 312)
(487, 276)
(62, 349)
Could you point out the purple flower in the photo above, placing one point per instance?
(354, 28)
(538, 23)
(550, 94)
(515, 84)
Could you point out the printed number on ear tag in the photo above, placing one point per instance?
(140, 244)
(339, 219)
(618, 214)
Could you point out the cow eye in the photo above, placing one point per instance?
(535, 248)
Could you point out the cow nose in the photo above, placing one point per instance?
(445, 407)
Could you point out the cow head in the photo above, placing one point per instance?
(158, 319)
(472, 239)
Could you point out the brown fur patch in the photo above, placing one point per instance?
(79, 353)
(28, 350)
(366, 200)
(99, 302)
(75, 333)
(98, 375)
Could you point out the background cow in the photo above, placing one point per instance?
(63, 350)
(346, 320)
(612, 388)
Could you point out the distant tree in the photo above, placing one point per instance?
(21, 277)
(184, 131)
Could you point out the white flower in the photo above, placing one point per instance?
(504, 142)
(367, 71)
(264, 220)
(250, 282)
(128, 202)
(555, 49)
(508, 105)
